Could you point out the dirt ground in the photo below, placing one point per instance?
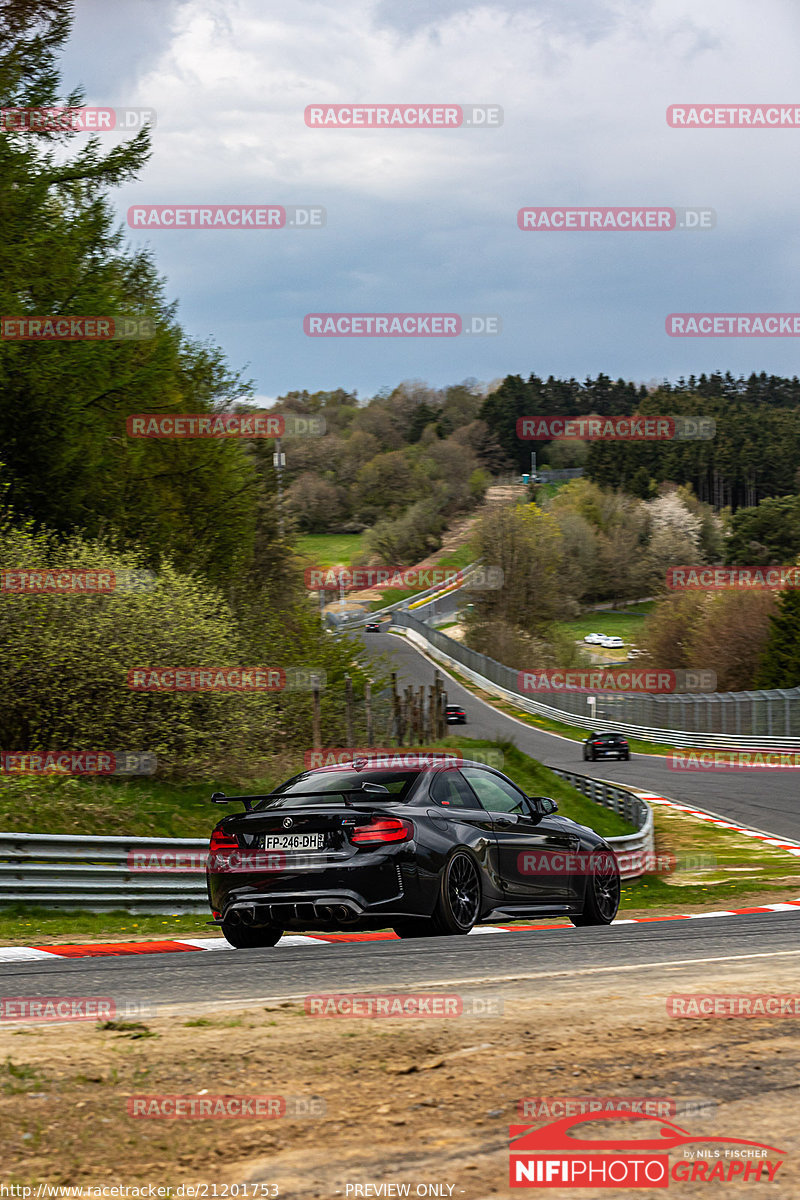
(422, 1102)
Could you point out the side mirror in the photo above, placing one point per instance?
(544, 805)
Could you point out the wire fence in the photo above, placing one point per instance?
(752, 719)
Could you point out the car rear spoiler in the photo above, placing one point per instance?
(248, 801)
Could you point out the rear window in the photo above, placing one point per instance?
(397, 783)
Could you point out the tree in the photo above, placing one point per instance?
(63, 406)
(316, 504)
(780, 665)
(766, 534)
(526, 544)
(729, 637)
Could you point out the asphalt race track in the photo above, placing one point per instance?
(186, 983)
(769, 801)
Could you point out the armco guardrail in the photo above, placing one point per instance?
(634, 851)
(353, 621)
(96, 873)
(765, 720)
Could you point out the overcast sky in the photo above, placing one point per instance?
(426, 220)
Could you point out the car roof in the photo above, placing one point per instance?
(405, 750)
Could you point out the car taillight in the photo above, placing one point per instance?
(597, 743)
(222, 841)
(386, 829)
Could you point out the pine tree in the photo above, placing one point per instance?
(780, 666)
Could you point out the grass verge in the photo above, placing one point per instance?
(330, 549)
(625, 623)
(24, 926)
(716, 868)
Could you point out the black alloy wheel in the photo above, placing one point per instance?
(601, 902)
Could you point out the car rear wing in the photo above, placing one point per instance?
(369, 789)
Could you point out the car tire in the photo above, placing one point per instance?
(459, 903)
(246, 937)
(628, 757)
(601, 902)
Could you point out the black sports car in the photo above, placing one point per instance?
(373, 627)
(455, 715)
(430, 850)
(606, 745)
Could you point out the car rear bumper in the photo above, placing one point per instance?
(335, 896)
(330, 910)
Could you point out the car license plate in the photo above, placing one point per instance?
(294, 841)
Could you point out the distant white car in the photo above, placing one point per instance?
(612, 643)
(593, 639)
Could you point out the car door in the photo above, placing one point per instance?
(456, 811)
(531, 847)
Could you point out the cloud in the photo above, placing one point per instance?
(426, 220)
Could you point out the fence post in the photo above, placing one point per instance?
(316, 737)
(368, 709)
(348, 710)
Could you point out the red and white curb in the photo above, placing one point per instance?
(768, 839)
(15, 954)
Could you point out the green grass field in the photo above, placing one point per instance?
(624, 623)
(330, 549)
(104, 807)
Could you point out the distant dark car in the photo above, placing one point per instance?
(429, 850)
(606, 745)
(455, 715)
(373, 627)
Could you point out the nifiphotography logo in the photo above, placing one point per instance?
(554, 1156)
